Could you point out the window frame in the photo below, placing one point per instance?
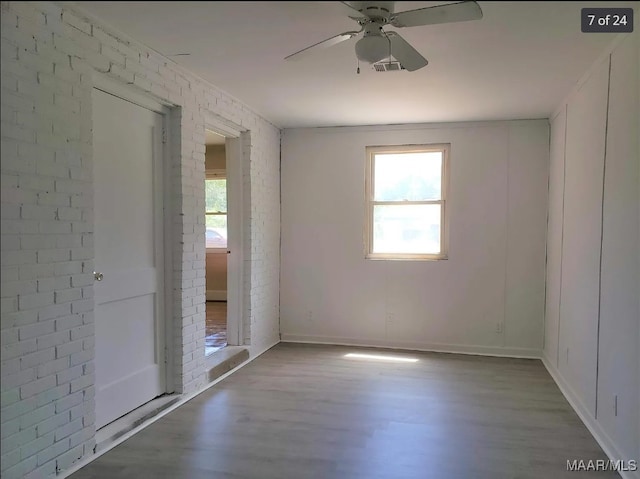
(217, 175)
(371, 152)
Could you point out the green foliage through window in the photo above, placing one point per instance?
(216, 195)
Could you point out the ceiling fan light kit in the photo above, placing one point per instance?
(373, 47)
(377, 45)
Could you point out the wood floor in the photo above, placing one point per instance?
(215, 326)
(304, 411)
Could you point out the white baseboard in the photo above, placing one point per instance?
(525, 353)
(186, 398)
(216, 295)
(255, 352)
(602, 438)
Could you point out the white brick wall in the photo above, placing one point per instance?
(47, 330)
(263, 280)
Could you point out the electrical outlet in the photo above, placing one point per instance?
(309, 315)
(391, 318)
(499, 327)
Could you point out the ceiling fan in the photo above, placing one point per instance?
(377, 45)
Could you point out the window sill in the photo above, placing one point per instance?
(216, 250)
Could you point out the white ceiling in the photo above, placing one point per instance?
(518, 62)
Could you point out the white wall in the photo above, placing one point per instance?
(584, 151)
(49, 57)
(495, 270)
(593, 280)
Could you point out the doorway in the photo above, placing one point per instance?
(129, 252)
(216, 242)
(225, 308)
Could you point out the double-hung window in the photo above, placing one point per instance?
(406, 190)
(216, 210)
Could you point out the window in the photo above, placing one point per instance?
(216, 210)
(406, 202)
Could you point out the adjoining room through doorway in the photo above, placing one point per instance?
(216, 242)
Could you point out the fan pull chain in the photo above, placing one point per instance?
(358, 69)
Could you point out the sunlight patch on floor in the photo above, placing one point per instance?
(380, 357)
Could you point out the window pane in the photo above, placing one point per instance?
(406, 229)
(216, 195)
(216, 231)
(408, 176)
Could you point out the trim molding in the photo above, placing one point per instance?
(602, 438)
(130, 93)
(589, 421)
(577, 85)
(524, 353)
(253, 353)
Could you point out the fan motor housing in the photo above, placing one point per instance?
(376, 11)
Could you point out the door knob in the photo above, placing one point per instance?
(98, 276)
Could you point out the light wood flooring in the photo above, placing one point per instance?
(305, 411)
(215, 326)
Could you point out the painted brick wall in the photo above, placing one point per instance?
(264, 281)
(49, 54)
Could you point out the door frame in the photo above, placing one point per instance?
(235, 225)
(162, 192)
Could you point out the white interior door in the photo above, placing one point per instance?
(128, 240)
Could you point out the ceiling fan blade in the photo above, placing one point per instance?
(408, 56)
(323, 44)
(453, 12)
(351, 11)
